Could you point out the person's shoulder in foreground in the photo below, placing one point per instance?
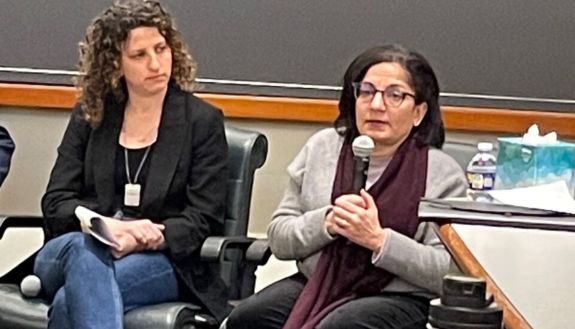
(6, 150)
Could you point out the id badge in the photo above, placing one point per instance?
(132, 195)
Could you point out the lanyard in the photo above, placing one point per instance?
(139, 166)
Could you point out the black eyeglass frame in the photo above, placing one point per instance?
(357, 86)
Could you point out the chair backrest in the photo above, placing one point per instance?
(247, 151)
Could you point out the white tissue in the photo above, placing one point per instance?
(532, 136)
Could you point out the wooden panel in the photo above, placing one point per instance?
(275, 108)
(506, 120)
(41, 96)
(469, 265)
(312, 110)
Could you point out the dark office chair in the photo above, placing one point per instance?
(238, 256)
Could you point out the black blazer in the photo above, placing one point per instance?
(185, 185)
(6, 150)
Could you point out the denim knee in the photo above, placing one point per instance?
(57, 246)
(73, 244)
(58, 315)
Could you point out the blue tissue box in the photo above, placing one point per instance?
(520, 165)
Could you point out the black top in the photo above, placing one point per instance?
(188, 173)
(135, 157)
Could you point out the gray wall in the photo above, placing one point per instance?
(510, 48)
(38, 132)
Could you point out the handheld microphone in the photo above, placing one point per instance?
(31, 286)
(362, 147)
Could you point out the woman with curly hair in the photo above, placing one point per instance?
(144, 152)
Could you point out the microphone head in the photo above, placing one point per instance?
(362, 146)
(31, 286)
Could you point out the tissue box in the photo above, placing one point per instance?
(520, 165)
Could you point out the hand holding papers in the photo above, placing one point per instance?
(94, 224)
(123, 235)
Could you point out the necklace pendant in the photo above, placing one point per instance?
(132, 195)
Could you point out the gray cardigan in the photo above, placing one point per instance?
(297, 231)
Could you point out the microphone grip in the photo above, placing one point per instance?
(360, 166)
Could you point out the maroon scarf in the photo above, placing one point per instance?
(344, 270)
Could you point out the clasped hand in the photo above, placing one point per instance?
(135, 235)
(355, 217)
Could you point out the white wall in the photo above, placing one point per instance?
(37, 134)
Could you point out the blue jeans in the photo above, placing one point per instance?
(91, 289)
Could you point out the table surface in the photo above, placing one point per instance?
(529, 271)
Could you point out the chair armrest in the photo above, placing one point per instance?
(22, 264)
(214, 248)
(19, 221)
(246, 253)
(168, 316)
(259, 252)
(255, 250)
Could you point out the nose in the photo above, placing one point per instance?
(154, 63)
(377, 102)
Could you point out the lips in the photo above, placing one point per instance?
(156, 77)
(377, 122)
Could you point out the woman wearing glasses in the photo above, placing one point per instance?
(364, 260)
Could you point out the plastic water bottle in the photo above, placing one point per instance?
(481, 170)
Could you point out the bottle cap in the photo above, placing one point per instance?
(485, 146)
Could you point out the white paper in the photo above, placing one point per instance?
(100, 231)
(93, 224)
(553, 196)
(84, 215)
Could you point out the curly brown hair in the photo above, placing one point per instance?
(101, 51)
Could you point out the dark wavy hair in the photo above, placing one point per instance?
(422, 80)
(101, 51)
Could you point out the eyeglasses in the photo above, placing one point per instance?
(392, 96)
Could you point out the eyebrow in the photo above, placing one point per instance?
(391, 85)
(135, 51)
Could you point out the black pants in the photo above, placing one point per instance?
(270, 308)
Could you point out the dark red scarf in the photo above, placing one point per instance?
(344, 270)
